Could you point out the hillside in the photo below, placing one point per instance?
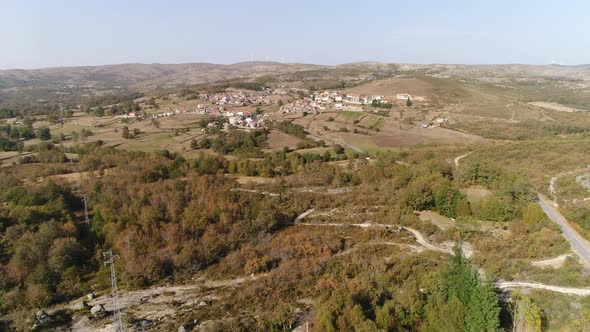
(74, 83)
(30, 85)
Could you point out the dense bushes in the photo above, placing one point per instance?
(381, 303)
(44, 254)
(511, 192)
(291, 129)
(171, 217)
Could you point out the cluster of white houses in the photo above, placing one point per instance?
(237, 97)
(243, 120)
(335, 100)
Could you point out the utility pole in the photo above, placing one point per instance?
(117, 321)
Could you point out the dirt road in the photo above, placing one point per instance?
(534, 285)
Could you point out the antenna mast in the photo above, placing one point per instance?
(117, 321)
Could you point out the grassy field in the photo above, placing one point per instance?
(348, 116)
(278, 140)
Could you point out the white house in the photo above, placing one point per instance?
(354, 97)
(234, 120)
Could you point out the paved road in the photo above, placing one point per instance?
(580, 246)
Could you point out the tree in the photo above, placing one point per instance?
(463, 208)
(460, 280)
(338, 149)
(445, 198)
(438, 307)
(482, 312)
(99, 111)
(526, 315)
(155, 123)
(125, 132)
(533, 215)
(194, 144)
(44, 134)
(409, 102)
(479, 299)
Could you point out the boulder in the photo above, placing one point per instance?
(80, 305)
(90, 296)
(41, 314)
(41, 318)
(181, 328)
(202, 304)
(99, 308)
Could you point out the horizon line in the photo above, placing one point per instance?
(291, 63)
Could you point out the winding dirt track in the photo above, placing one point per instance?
(534, 285)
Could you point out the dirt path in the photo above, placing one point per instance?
(534, 285)
(423, 242)
(556, 262)
(420, 238)
(303, 215)
(458, 159)
(265, 193)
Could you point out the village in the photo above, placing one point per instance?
(239, 97)
(223, 104)
(335, 100)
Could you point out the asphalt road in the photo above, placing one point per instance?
(579, 245)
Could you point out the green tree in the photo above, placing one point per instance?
(409, 102)
(460, 280)
(194, 144)
(338, 149)
(438, 307)
(482, 312)
(125, 132)
(479, 299)
(526, 315)
(463, 208)
(533, 215)
(445, 198)
(99, 111)
(44, 134)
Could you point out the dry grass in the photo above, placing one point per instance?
(278, 140)
(556, 107)
(476, 194)
(392, 86)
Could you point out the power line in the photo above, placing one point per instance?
(117, 321)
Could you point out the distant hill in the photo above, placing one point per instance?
(136, 75)
(73, 83)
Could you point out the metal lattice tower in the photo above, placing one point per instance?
(117, 321)
(86, 215)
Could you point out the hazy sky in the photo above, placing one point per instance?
(46, 33)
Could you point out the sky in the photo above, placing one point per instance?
(52, 33)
